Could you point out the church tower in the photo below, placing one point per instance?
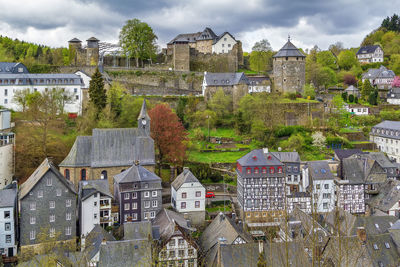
(144, 121)
(289, 66)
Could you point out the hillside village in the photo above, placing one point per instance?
(200, 154)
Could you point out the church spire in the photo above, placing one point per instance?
(144, 120)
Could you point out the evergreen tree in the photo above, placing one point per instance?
(366, 89)
(373, 97)
(97, 93)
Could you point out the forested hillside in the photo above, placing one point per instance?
(38, 58)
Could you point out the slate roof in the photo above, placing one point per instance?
(93, 39)
(111, 148)
(367, 49)
(395, 226)
(389, 195)
(166, 220)
(221, 227)
(79, 155)
(319, 170)
(225, 79)
(381, 158)
(37, 175)
(207, 34)
(74, 40)
(186, 37)
(257, 157)
(256, 80)
(387, 125)
(274, 254)
(289, 50)
(137, 230)
(185, 177)
(363, 167)
(89, 187)
(345, 153)
(338, 219)
(353, 171)
(136, 173)
(10, 67)
(125, 253)
(8, 197)
(374, 225)
(380, 73)
(287, 156)
(94, 239)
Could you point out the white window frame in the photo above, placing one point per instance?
(68, 203)
(68, 216)
(32, 235)
(32, 206)
(52, 232)
(32, 220)
(146, 204)
(52, 204)
(154, 203)
(134, 205)
(153, 193)
(68, 230)
(58, 192)
(52, 218)
(146, 193)
(152, 214)
(49, 181)
(40, 194)
(127, 206)
(126, 196)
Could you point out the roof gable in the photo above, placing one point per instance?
(185, 177)
(136, 173)
(257, 157)
(38, 174)
(225, 79)
(289, 50)
(367, 49)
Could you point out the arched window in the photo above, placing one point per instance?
(264, 170)
(279, 169)
(104, 175)
(66, 174)
(83, 174)
(256, 170)
(248, 170)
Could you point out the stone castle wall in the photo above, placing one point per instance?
(289, 74)
(236, 91)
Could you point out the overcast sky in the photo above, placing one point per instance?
(309, 22)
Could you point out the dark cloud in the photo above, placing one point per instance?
(171, 17)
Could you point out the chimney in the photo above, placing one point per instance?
(136, 163)
(233, 216)
(260, 246)
(185, 169)
(362, 235)
(265, 150)
(221, 217)
(104, 241)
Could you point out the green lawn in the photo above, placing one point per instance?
(222, 157)
(348, 130)
(298, 100)
(219, 208)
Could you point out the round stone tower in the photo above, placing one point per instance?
(92, 51)
(289, 69)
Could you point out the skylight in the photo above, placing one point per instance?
(387, 245)
(376, 247)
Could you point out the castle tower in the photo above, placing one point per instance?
(74, 46)
(289, 69)
(181, 55)
(92, 51)
(144, 121)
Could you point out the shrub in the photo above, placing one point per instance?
(351, 98)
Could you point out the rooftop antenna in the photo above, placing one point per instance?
(288, 37)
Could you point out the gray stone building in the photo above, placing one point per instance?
(47, 204)
(289, 68)
(8, 221)
(138, 192)
(109, 152)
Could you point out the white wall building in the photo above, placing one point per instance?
(319, 181)
(370, 54)
(224, 43)
(188, 195)
(386, 136)
(11, 83)
(381, 78)
(7, 146)
(8, 202)
(357, 109)
(95, 206)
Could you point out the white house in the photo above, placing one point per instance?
(7, 147)
(223, 43)
(370, 54)
(358, 110)
(393, 96)
(258, 84)
(386, 136)
(8, 216)
(319, 181)
(10, 83)
(188, 196)
(301, 200)
(95, 206)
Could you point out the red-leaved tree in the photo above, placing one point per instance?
(349, 79)
(169, 135)
(396, 82)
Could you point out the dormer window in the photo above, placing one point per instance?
(264, 170)
(254, 157)
(256, 171)
(248, 170)
(279, 169)
(272, 170)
